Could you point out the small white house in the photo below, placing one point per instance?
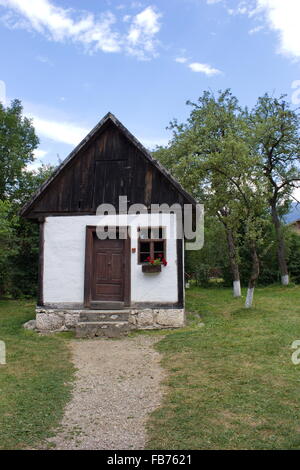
(107, 269)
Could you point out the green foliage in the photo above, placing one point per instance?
(19, 240)
(212, 259)
(222, 155)
(7, 243)
(209, 262)
(17, 143)
(294, 256)
(274, 129)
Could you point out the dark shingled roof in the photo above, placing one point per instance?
(83, 143)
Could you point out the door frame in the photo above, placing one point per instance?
(88, 275)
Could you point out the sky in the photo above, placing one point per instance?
(72, 61)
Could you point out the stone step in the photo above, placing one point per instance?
(104, 315)
(107, 329)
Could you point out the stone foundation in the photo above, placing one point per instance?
(157, 318)
(50, 320)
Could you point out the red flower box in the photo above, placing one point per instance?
(151, 268)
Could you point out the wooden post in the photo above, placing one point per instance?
(41, 263)
(180, 277)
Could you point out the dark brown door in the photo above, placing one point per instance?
(108, 270)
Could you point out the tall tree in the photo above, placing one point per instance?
(19, 238)
(193, 151)
(237, 177)
(17, 144)
(275, 137)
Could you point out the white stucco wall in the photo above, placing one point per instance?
(64, 259)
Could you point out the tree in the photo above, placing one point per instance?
(17, 144)
(201, 265)
(7, 244)
(19, 238)
(275, 138)
(235, 173)
(196, 154)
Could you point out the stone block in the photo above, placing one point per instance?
(30, 325)
(49, 321)
(71, 320)
(172, 318)
(145, 318)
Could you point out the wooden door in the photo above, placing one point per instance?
(108, 271)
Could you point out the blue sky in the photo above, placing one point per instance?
(71, 61)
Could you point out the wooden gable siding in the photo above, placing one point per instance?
(109, 166)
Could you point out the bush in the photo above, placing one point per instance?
(294, 257)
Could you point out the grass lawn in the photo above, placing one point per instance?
(35, 383)
(232, 384)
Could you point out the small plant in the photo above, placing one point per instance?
(160, 260)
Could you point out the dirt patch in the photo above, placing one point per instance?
(118, 383)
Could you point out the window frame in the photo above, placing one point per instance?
(151, 241)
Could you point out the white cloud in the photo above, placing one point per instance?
(40, 153)
(71, 134)
(204, 68)
(2, 92)
(141, 36)
(58, 24)
(243, 7)
(198, 67)
(65, 132)
(283, 17)
(181, 60)
(296, 194)
(256, 29)
(94, 33)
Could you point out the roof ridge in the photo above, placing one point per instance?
(87, 138)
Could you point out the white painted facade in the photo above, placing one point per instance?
(64, 258)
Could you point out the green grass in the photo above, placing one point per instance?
(232, 384)
(35, 382)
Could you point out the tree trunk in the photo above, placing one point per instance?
(233, 262)
(281, 251)
(253, 277)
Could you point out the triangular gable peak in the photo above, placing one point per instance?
(110, 162)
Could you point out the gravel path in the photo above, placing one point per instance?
(117, 385)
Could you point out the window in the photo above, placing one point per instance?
(152, 243)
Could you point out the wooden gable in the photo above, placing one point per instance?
(107, 164)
